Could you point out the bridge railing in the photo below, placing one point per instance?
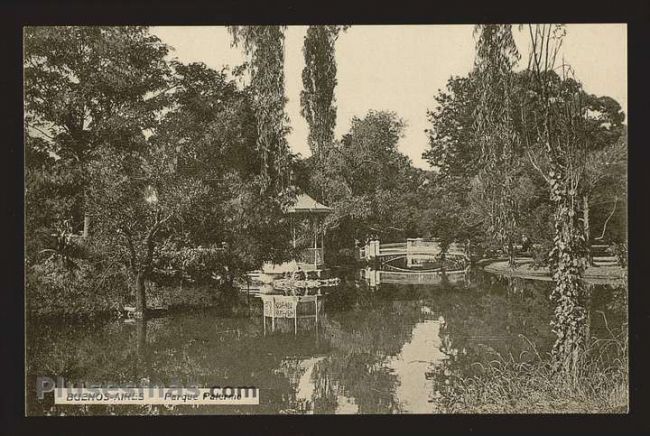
(389, 249)
(411, 246)
(394, 245)
(420, 246)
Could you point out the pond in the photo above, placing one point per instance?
(383, 342)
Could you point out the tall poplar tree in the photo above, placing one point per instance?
(317, 98)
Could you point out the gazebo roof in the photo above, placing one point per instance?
(305, 204)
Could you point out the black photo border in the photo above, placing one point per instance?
(14, 15)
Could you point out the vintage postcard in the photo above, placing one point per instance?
(326, 219)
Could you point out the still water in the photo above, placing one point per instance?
(383, 343)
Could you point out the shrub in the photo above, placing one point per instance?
(509, 385)
(540, 252)
(84, 291)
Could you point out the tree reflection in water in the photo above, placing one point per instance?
(378, 350)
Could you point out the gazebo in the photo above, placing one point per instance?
(306, 219)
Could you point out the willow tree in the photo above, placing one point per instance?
(264, 46)
(494, 131)
(559, 152)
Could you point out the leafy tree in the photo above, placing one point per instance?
(265, 47)
(562, 137)
(456, 158)
(606, 191)
(141, 198)
(86, 87)
(88, 90)
(51, 187)
(452, 149)
(192, 204)
(371, 186)
(461, 198)
(605, 166)
(445, 210)
(212, 125)
(212, 131)
(168, 166)
(496, 55)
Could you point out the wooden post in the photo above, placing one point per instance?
(316, 242)
(322, 246)
(295, 317)
(86, 231)
(272, 314)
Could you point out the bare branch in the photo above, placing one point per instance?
(532, 162)
(602, 235)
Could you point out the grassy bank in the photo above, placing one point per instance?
(86, 294)
(509, 385)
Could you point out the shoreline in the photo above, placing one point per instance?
(604, 273)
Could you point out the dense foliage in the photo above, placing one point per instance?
(318, 81)
(372, 188)
(455, 157)
(145, 171)
(166, 158)
(539, 137)
(264, 46)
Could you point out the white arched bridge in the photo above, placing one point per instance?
(411, 249)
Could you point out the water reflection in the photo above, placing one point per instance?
(376, 277)
(386, 348)
(413, 364)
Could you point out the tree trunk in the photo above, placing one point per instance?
(140, 295)
(585, 222)
(86, 224)
(511, 255)
(86, 231)
(568, 264)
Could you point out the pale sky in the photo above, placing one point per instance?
(401, 67)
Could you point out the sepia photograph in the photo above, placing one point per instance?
(326, 219)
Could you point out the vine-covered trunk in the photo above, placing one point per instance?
(567, 265)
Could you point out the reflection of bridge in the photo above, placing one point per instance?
(378, 277)
(413, 247)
